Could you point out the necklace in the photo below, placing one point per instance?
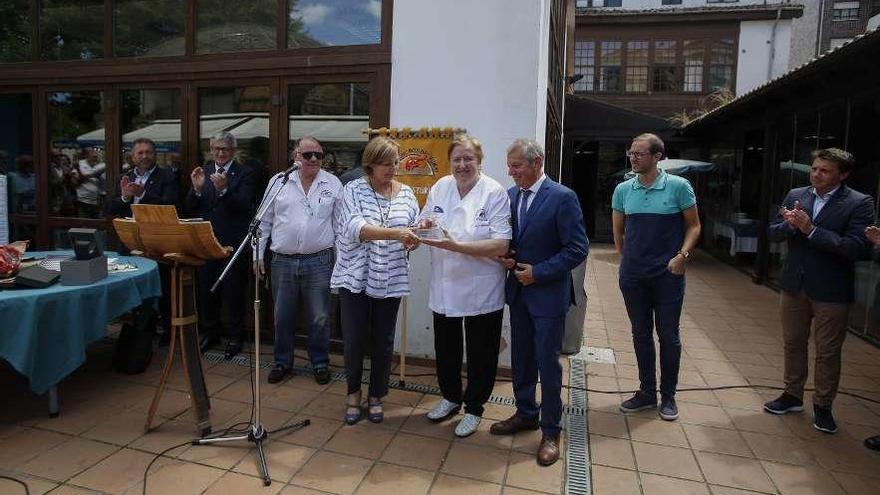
(384, 213)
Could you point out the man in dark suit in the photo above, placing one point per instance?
(549, 240)
(144, 183)
(824, 227)
(223, 193)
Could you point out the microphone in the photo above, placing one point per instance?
(294, 166)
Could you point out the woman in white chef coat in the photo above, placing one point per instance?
(467, 283)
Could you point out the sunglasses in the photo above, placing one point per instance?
(308, 155)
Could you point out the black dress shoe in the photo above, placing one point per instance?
(322, 376)
(278, 373)
(233, 347)
(873, 443)
(207, 342)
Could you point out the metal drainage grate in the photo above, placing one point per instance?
(598, 355)
(577, 459)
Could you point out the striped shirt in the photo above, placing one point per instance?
(378, 268)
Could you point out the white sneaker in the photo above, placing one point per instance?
(443, 410)
(467, 425)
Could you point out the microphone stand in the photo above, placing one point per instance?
(257, 433)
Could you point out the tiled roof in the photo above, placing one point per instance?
(823, 59)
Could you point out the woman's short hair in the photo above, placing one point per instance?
(844, 159)
(468, 141)
(380, 149)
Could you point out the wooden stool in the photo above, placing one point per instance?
(185, 337)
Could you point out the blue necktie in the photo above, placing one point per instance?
(523, 208)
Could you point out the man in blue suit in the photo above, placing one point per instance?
(824, 227)
(549, 240)
(223, 193)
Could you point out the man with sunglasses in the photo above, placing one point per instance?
(300, 225)
(223, 192)
(655, 225)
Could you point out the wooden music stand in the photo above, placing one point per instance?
(157, 233)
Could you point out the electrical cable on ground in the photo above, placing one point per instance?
(27, 490)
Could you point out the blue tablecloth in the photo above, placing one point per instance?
(44, 332)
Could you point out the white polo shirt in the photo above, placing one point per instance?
(461, 284)
(300, 222)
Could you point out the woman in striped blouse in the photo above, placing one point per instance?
(373, 235)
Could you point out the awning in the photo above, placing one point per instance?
(329, 129)
(676, 166)
(160, 131)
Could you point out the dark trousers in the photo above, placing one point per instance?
(368, 321)
(536, 344)
(649, 301)
(232, 294)
(483, 336)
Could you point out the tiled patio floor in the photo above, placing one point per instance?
(722, 443)
(97, 444)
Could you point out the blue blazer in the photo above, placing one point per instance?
(554, 241)
(231, 213)
(161, 189)
(824, 266)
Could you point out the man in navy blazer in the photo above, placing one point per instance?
(824, 228)
(145, 183)
(223, 192)
(549, 240)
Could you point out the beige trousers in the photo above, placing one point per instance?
(829, 322)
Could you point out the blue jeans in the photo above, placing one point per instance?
(302, 279)
(650, 300)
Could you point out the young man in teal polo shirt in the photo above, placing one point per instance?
(655, 226)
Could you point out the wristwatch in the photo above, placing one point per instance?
(686, 254)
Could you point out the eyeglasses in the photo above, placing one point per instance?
(637, 154)
(308, 155)
(219, 149)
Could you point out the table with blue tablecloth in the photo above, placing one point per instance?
(44, 332)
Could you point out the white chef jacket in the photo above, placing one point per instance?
(461, 284)
(301, 223)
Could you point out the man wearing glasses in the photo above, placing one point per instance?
(300, 224)
(655, 225)
(223, 192)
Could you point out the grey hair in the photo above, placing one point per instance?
(225, 137)
(529, 148)
(308, 138)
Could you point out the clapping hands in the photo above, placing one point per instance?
(797, 218)
(873, 235)
(130, 189)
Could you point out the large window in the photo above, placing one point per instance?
(335, 114)
(845, 11)
(76, 132)
(664, 77)
(721, 64)
(17, 155)
(15, 31)
(71, 29)
(151, 28)
(153, 114)
(585, 64)
(313, 23)
(225, 26)
(693, 66)
(610, 70)
(690, 66)
(636, 66)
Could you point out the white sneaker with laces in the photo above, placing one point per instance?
(467, 425)
(443, 410)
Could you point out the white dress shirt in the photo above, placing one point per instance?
(462, 284)
(300, 222)
(141, 180)
(822, 200)
(534, 188)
